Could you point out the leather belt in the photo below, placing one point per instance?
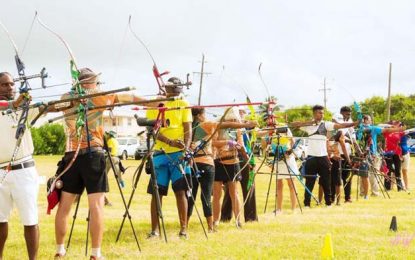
(225, 158)
(83, 151)
(202, 155)
(19, 166)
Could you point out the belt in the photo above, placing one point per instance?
(225, 158)
(19, 166)
(83, 151)
(157, 153)
(202, 155)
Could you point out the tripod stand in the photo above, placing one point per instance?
(116, 176)
(371, 169)
(277, 158)
(152, 133)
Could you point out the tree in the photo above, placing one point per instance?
(49, 139)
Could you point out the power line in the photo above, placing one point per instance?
(325, 89)
(201, 73)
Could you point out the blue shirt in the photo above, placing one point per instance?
(374, 132)
(404, 144)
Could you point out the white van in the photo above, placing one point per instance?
(127, 147)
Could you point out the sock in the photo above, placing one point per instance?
(60, 249)
(96, 252)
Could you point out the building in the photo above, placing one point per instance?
(122, 122)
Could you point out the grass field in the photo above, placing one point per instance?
(359, 230)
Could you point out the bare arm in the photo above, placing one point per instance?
(393, 130)
(187, 134)
(301, 124)
(345, 125)
(234, 125)
(128, 97)
(342, 141)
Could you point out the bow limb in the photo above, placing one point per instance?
(81, 120)
(359, 133)
(68, 48)
(262, 80)
(156, 72)
(10, 38)
(24, 87)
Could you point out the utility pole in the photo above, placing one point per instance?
(202, 72)
(325, 89)
(388, 109)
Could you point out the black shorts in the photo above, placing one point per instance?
(226, 172)
(88, 171)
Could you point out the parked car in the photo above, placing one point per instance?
(411, 145)
(141, 150)
(412, 150)
(127, 147)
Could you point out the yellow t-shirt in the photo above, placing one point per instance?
(113, 146)
(175, 119)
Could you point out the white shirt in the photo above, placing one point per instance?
(349, 132)
(8, 141)
(317, 144)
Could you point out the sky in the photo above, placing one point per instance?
(299, 43)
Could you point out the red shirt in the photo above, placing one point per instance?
(392, 141)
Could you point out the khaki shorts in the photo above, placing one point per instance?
(406, 161)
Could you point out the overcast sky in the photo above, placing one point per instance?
(299, 43)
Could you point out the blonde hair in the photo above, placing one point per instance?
(233, 114)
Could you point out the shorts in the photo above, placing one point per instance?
(168, 167)
(406, 160)
(87, 172)
(20, 187)
(363, 170)
(289, 170)
(226, 172)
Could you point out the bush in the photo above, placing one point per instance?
(49, 139)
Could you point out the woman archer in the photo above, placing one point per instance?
(204, 169)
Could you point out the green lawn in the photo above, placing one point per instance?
(360, 230)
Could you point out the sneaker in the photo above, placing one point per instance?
(366, 197)
(59, 256)
(374, 194)
(183, 235)
(152, 234)
(277, 212)
(348, 201)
